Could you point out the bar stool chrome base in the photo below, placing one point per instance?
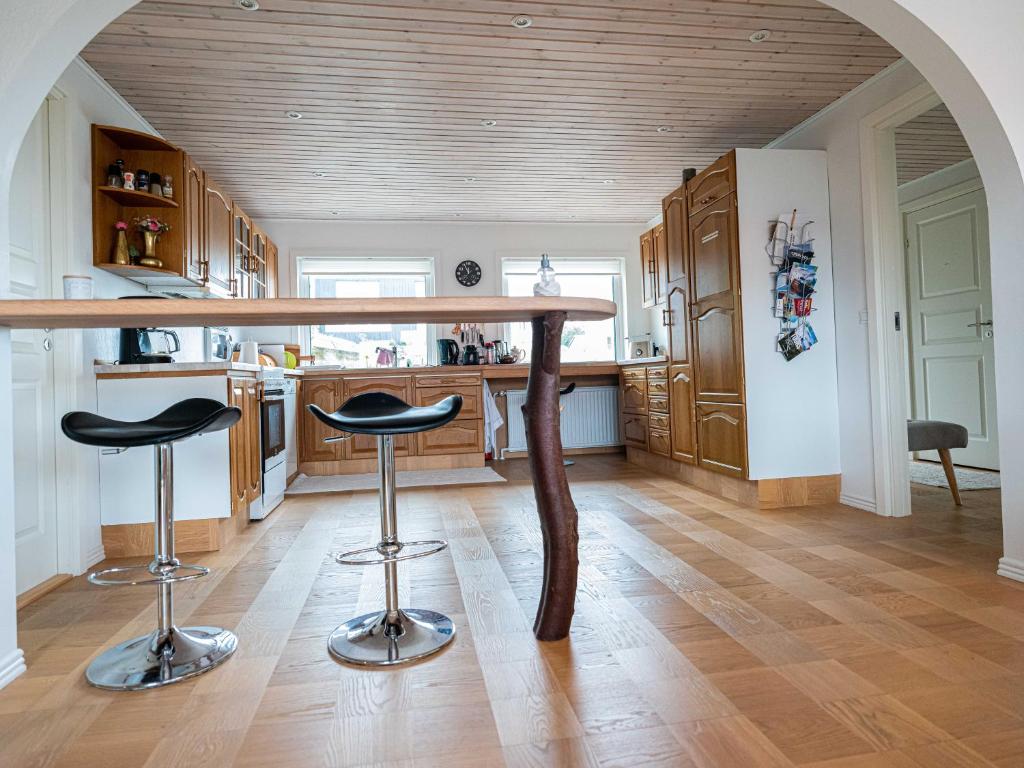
(371, 640)
(151, 661)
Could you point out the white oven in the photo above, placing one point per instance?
(278, 393)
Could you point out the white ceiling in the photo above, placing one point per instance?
(393, 92)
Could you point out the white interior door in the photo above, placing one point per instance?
(950, 308)
(35, 512)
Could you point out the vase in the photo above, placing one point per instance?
(149, 258)
(121, 249)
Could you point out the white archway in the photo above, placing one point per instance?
(950, 45)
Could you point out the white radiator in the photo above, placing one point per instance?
(590, 418)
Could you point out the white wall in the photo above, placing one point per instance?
(792, 406)
(837, 130)
(452, 242)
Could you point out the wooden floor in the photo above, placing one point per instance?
(706, 635)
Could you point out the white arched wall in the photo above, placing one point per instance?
(950, 44)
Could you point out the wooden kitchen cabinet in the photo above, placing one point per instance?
(272, 279)
(459, 436)
(254, 466)
(219, 239)
(660, 246)
(634, 431)
(652, 262)
(712, 184)
(244, 444)
(722, 438)
(194, 200)
(634, 395)
(329, 395)
(681, 409)
(241, 264)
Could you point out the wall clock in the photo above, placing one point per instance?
(468, 273)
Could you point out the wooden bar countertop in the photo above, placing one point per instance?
(145, 313)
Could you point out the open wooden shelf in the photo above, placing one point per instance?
(133, 198)
(125, 138)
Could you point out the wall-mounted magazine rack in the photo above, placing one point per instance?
(790, 248)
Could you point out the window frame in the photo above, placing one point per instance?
(618, 285)
(304, 258)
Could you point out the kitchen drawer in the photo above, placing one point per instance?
(460, 436)
(659, 421)
(634, 396)
(634, 431)
(657, 404)
(713, 183)
(660, 443)
(636, 372)
(472, 407)
(657, 372)
(448, 380)
(657, 388)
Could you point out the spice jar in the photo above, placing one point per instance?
(142, 180)
(155, 187)
(168, 189)
(114, 176)
(129, 179)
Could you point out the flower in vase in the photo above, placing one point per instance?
(121, 226)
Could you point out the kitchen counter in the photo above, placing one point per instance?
(114, 371)
(645, 360)
(513, 371)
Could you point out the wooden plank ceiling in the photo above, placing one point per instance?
(928, 143)
(393, 94)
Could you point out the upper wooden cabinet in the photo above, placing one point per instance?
(204, 250)
(713, 183)
(652, 263)
(219, 240)
(673, 214)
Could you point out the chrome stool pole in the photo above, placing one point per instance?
(169, 653)
(394, 635)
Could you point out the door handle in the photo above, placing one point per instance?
(47, 344)
(975, 325)
(666, 317)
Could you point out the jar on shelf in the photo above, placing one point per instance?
(168, 188)
(114, 178)
(155, 185)
(142, 180)
(128, 179)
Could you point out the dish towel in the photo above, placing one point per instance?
(492, 422)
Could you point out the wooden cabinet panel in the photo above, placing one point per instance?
(219, 239)
(657, 387)
(660, 421)
(648, 268)
(254, 463)
(472, 406)
(634, 372)
(657, 372)
(673, 209)
(449, 380)
(660, 264)
(455, 437)
(660, 443)
(717, 339)
(328, 394)
(713, 183)
(238, 442)
(634, 396)
(257, 272)
(634, 431)
(657, 404)
(193, 202)
(684, 438)
(677, 313)
(722, 438)
(365, 446)
(272, 279)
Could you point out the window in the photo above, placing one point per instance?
(583, 278)
(367, 277)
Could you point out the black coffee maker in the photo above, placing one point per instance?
(470, 355)
(147, 345)
(447, 352)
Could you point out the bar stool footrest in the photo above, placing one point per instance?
(124, 576)
(409, 550)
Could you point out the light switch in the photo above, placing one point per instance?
(863, 317)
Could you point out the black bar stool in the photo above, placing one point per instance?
(169, 653)
(394, 635)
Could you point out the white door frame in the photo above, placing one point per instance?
(886, 295)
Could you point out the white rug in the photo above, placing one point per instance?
(419, 478)
(930, 473)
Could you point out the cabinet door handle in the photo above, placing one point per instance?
(666, 317)
(233, 285)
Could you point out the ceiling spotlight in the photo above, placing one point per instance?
(335, 213)
(664, 128)
(608, 181)
(469, 178)
(521, 21)
(293, 114)
(488, 123)
(319, 174)
(760, 36)
(247, 5)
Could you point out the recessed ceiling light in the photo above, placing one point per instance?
(458, 215)
(521, 21)
(248, 5)
(488, 123)
(319, 174)
(335, 213)
(664, 128)
(608, 181)
(760, 36)
(470, 178)
(293, 114)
